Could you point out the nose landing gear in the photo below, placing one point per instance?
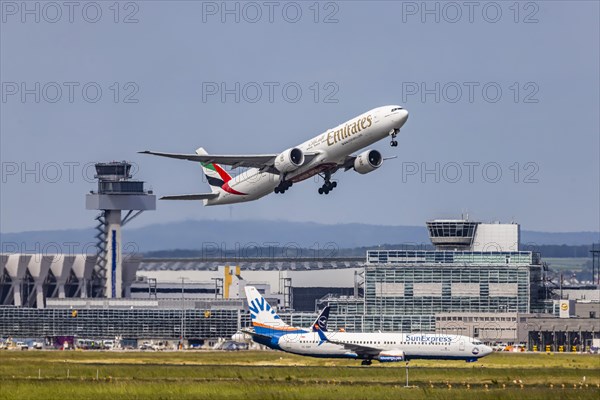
(393, 134)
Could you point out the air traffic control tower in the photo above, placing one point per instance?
(116, 192)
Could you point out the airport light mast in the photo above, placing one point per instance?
(116, 192)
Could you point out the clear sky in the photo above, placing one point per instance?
(503, 100)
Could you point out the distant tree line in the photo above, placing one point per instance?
(559, 251)
(551, 251)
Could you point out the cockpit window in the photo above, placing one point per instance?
(396, 109)
(477, 342)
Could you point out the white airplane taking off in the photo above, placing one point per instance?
(269, 330)
(323, 155)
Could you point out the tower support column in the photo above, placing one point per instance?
(114, 267)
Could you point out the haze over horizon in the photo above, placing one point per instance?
(140, 224)
(503, 109)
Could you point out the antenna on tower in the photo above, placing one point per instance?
(465, 215)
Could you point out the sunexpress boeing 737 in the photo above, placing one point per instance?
(323, 155)
(269, 330)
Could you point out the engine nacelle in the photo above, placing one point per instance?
(368, 161)
(289, 160)
(391, 356)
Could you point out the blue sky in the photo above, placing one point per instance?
(503, 104)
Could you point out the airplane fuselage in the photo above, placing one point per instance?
(331, 146)
(412, 345)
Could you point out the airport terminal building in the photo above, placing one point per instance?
(476, 282)
(405, 290)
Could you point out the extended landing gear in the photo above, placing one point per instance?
(366, 362)
(327, 187)
(393, 134)
(283, 186)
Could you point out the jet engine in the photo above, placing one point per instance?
(368, 161)
(391, 356)
(289, 160)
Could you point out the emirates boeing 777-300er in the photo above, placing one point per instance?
(323, 155)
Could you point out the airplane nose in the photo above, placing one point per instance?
(403, 116)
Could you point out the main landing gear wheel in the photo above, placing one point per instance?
(366, 362)
(393, 134)
(283, 186)
(327, 187)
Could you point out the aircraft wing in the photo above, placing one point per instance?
(249, 161)
(265, 162)
(200, 196)
(359, 349)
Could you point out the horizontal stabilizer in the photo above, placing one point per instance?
(256, 335)
(200, 196)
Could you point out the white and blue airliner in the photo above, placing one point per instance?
(268, 329)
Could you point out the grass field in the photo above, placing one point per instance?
(275, 375)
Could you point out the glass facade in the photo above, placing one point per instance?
(473, 258)
(403, 290)
(428, 290)
(128, 323)
(107, 187)
(451, 228)
(452, 234)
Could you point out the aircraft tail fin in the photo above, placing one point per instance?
(215, 174)
(321, 321)
(264, 318)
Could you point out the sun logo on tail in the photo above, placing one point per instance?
(259, 306)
